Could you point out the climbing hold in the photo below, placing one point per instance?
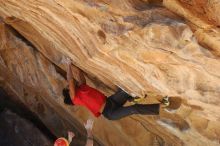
(103, 7)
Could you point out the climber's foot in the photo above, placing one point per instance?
(171, 103)
(165, 102)
(137, 99)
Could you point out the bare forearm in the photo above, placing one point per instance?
(71, 135)
(71, 81)
(88, 127)
(89, 141)
(69, 139)
(72, 88)
(82, 77)
(69, 73)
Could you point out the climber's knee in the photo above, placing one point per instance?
(108, 114)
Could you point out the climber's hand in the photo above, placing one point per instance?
(68, 61)
(89, 126)
(70, 136)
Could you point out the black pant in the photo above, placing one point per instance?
(114, 109)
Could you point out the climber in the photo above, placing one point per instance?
(79, 93)
(64, 142)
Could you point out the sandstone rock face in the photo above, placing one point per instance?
(23, 79)
(15, 131)
(203, 17)
(139, 46)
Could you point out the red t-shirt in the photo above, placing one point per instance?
(90, 98)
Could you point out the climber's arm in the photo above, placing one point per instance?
(71, 135)
(77, 73)
(82, 79)
(89, 142)
(71, 81)
(88, 126)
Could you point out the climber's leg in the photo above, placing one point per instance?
(118, 113)
(120, 97)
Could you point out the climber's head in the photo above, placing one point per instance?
(61, 142)
(67, 98)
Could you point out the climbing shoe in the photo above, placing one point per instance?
(165, 101)
(137, 99)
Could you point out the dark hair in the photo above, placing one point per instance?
(67, 98)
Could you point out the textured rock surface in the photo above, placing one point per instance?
(32, 80)
(203, 17)
(15, 131)
(139, 46)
